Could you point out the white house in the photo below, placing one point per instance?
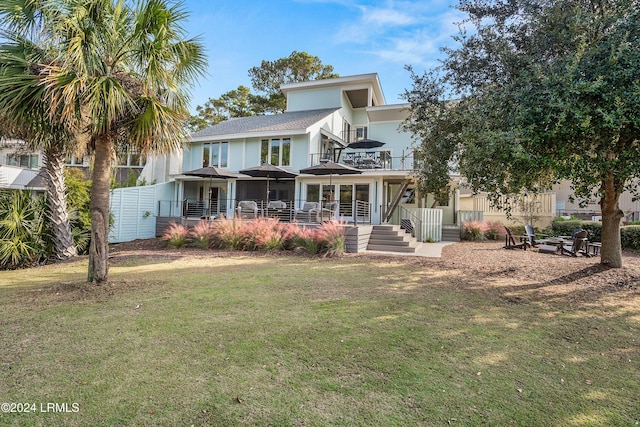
(345, 120)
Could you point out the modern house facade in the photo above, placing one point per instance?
(343, 120)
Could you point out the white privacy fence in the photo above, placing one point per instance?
(428, 224)
(133, 213)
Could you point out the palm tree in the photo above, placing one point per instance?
(37, 132)
(120, 77)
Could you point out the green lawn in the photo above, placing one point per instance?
(278, 341)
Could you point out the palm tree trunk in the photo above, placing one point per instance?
(101, 177)
(63, 245)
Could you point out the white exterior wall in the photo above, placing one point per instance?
(314, 99)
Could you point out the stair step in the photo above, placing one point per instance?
(386, 248)
(385, 232)
(389, 242)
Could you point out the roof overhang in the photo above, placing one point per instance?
(388, 113)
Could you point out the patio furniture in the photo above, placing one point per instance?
(578, 245)
(510, 241)
(329, 211)
(247, 209)
(593, 248)
(278, 209)
(310, 212)
(530, 236)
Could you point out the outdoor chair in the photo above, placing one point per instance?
(310, 212)
(278, 209)
(579, 244)
(329, 211)
(530, 236)
(510, 241)
(276, 204)
(247, 209)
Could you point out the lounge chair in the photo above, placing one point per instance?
(530, 236)
(247, 209)
(579, 244)
(310, 212)
(510, 241)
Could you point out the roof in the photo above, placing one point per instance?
(289, 121)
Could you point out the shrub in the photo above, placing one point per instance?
(473, 230)
(564, 227)
(23, 233)
(494, 230)
(202, 235)
(630, 237)
(228, 234)
(262, 234)
(176, 235)
(306, 239)
(331, 236)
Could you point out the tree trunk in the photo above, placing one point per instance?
(63, 245)
(99, 245)
(611, 252)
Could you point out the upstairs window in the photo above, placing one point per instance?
(23, 160)
(361, 133)
(276, 151)
(215, 154)
(130, 159)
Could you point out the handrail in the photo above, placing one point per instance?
(404, 213)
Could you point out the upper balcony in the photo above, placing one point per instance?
(369, 159)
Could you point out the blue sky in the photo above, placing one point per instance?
(354, 36)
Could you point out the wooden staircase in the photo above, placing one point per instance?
(390, 238)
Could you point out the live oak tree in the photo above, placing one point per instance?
(239, 102)
(297, 67)
(121, 77)
(537, 92)
(266, 80)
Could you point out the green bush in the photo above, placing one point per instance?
(564, 227)
(473, 230)
(176, 235)
(24, 238)
(630, 237)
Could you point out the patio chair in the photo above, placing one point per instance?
(310, 212)
(247, 209)
(276, 204)
(579, 244)
(329, 211)
(530, 236)
(510, 241)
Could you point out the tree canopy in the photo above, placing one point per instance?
(537, 91)
(266, 81)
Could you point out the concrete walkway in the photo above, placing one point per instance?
(429, 250)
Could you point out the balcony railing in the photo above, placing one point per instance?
(285, 211)
(368, 160)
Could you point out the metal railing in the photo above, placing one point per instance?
(285, 211)
(410, 222)
(380, 160)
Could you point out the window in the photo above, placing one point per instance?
(23, 160)
(276, 151)
(346, 131)
(313, 192)
(129, 159)
(361, 132)
(215, 154)
(74, 161)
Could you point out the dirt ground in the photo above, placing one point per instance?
(520, 275)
